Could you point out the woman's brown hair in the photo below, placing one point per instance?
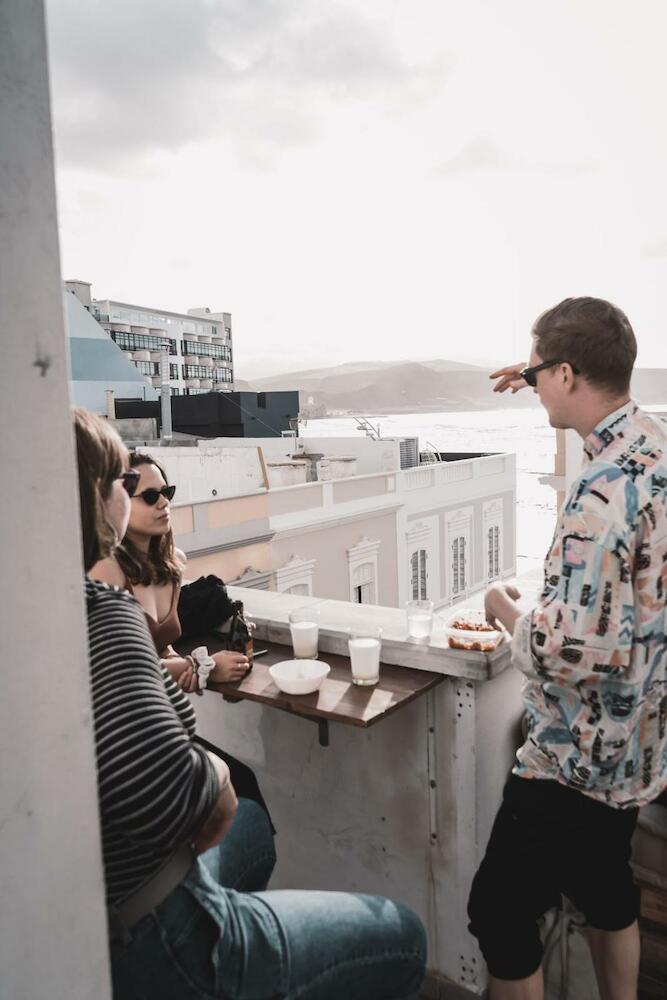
(101, 457)
(159, 564)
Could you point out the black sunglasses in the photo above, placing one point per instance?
(151, 497)
(130, 481)
(529, 375)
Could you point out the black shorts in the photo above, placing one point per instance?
(549, 839)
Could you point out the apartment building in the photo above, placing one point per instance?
(97, 367)
(198, 342)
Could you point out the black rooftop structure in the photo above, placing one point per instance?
(222, 414)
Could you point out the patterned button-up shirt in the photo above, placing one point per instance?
(594, 651)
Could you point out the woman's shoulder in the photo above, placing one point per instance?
(181, 559)
(114, 612)
(108, 571)
(105, 595)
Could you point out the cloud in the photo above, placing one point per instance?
(484, 154)
(132, 78)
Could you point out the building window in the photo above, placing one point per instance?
(147, 367)
(363, 584)
(261, 400)
(459, 565)
(492, 516)
(422, 548)
(197, 371)
(418, 575)
(173, 372)
(493, 556)
(363, 571)
(140, 342)
(296, 577)
(207, 350)
(201, 371)
(458, 533)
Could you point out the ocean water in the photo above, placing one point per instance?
(526, 433)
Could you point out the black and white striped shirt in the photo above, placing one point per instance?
(156, 787)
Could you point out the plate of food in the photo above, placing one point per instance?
(468, 629)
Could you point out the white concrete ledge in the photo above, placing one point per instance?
(270, 612)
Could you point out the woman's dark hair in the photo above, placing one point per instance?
(159, 564)
(101, 457)
(594, 336)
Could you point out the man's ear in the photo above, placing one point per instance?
(568, 374)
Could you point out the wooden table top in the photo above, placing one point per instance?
(338, 699)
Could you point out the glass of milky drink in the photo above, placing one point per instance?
(304, 627)
(420, 620)
(364, 645)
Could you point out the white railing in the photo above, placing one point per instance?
(416, 479)
(456, 472)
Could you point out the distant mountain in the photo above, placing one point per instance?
(314, 379)
(240, 385)
(410, 387)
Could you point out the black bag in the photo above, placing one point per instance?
(203, 606)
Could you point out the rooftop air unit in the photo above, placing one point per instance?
(409, 452)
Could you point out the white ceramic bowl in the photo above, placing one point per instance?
(476, 617)
(299, 676)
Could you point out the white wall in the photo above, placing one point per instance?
(372, 456)
(232, 466)
(198, 471)
(52, 917)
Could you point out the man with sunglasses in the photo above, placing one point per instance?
(594, 656)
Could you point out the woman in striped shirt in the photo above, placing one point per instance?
(149, 566)
(184, 869)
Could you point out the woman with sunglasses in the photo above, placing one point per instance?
(148, 565)
(185, 865)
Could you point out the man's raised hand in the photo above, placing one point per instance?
(509, 378)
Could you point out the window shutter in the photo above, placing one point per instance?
(414, 575)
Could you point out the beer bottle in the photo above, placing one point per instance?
(240, 636)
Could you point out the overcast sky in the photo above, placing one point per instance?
(378, 179)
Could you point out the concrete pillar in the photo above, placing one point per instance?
(52, 916)
(165, 398)
(111, 404)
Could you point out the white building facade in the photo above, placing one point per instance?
(440, 532)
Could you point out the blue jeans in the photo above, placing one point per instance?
(215, 938)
